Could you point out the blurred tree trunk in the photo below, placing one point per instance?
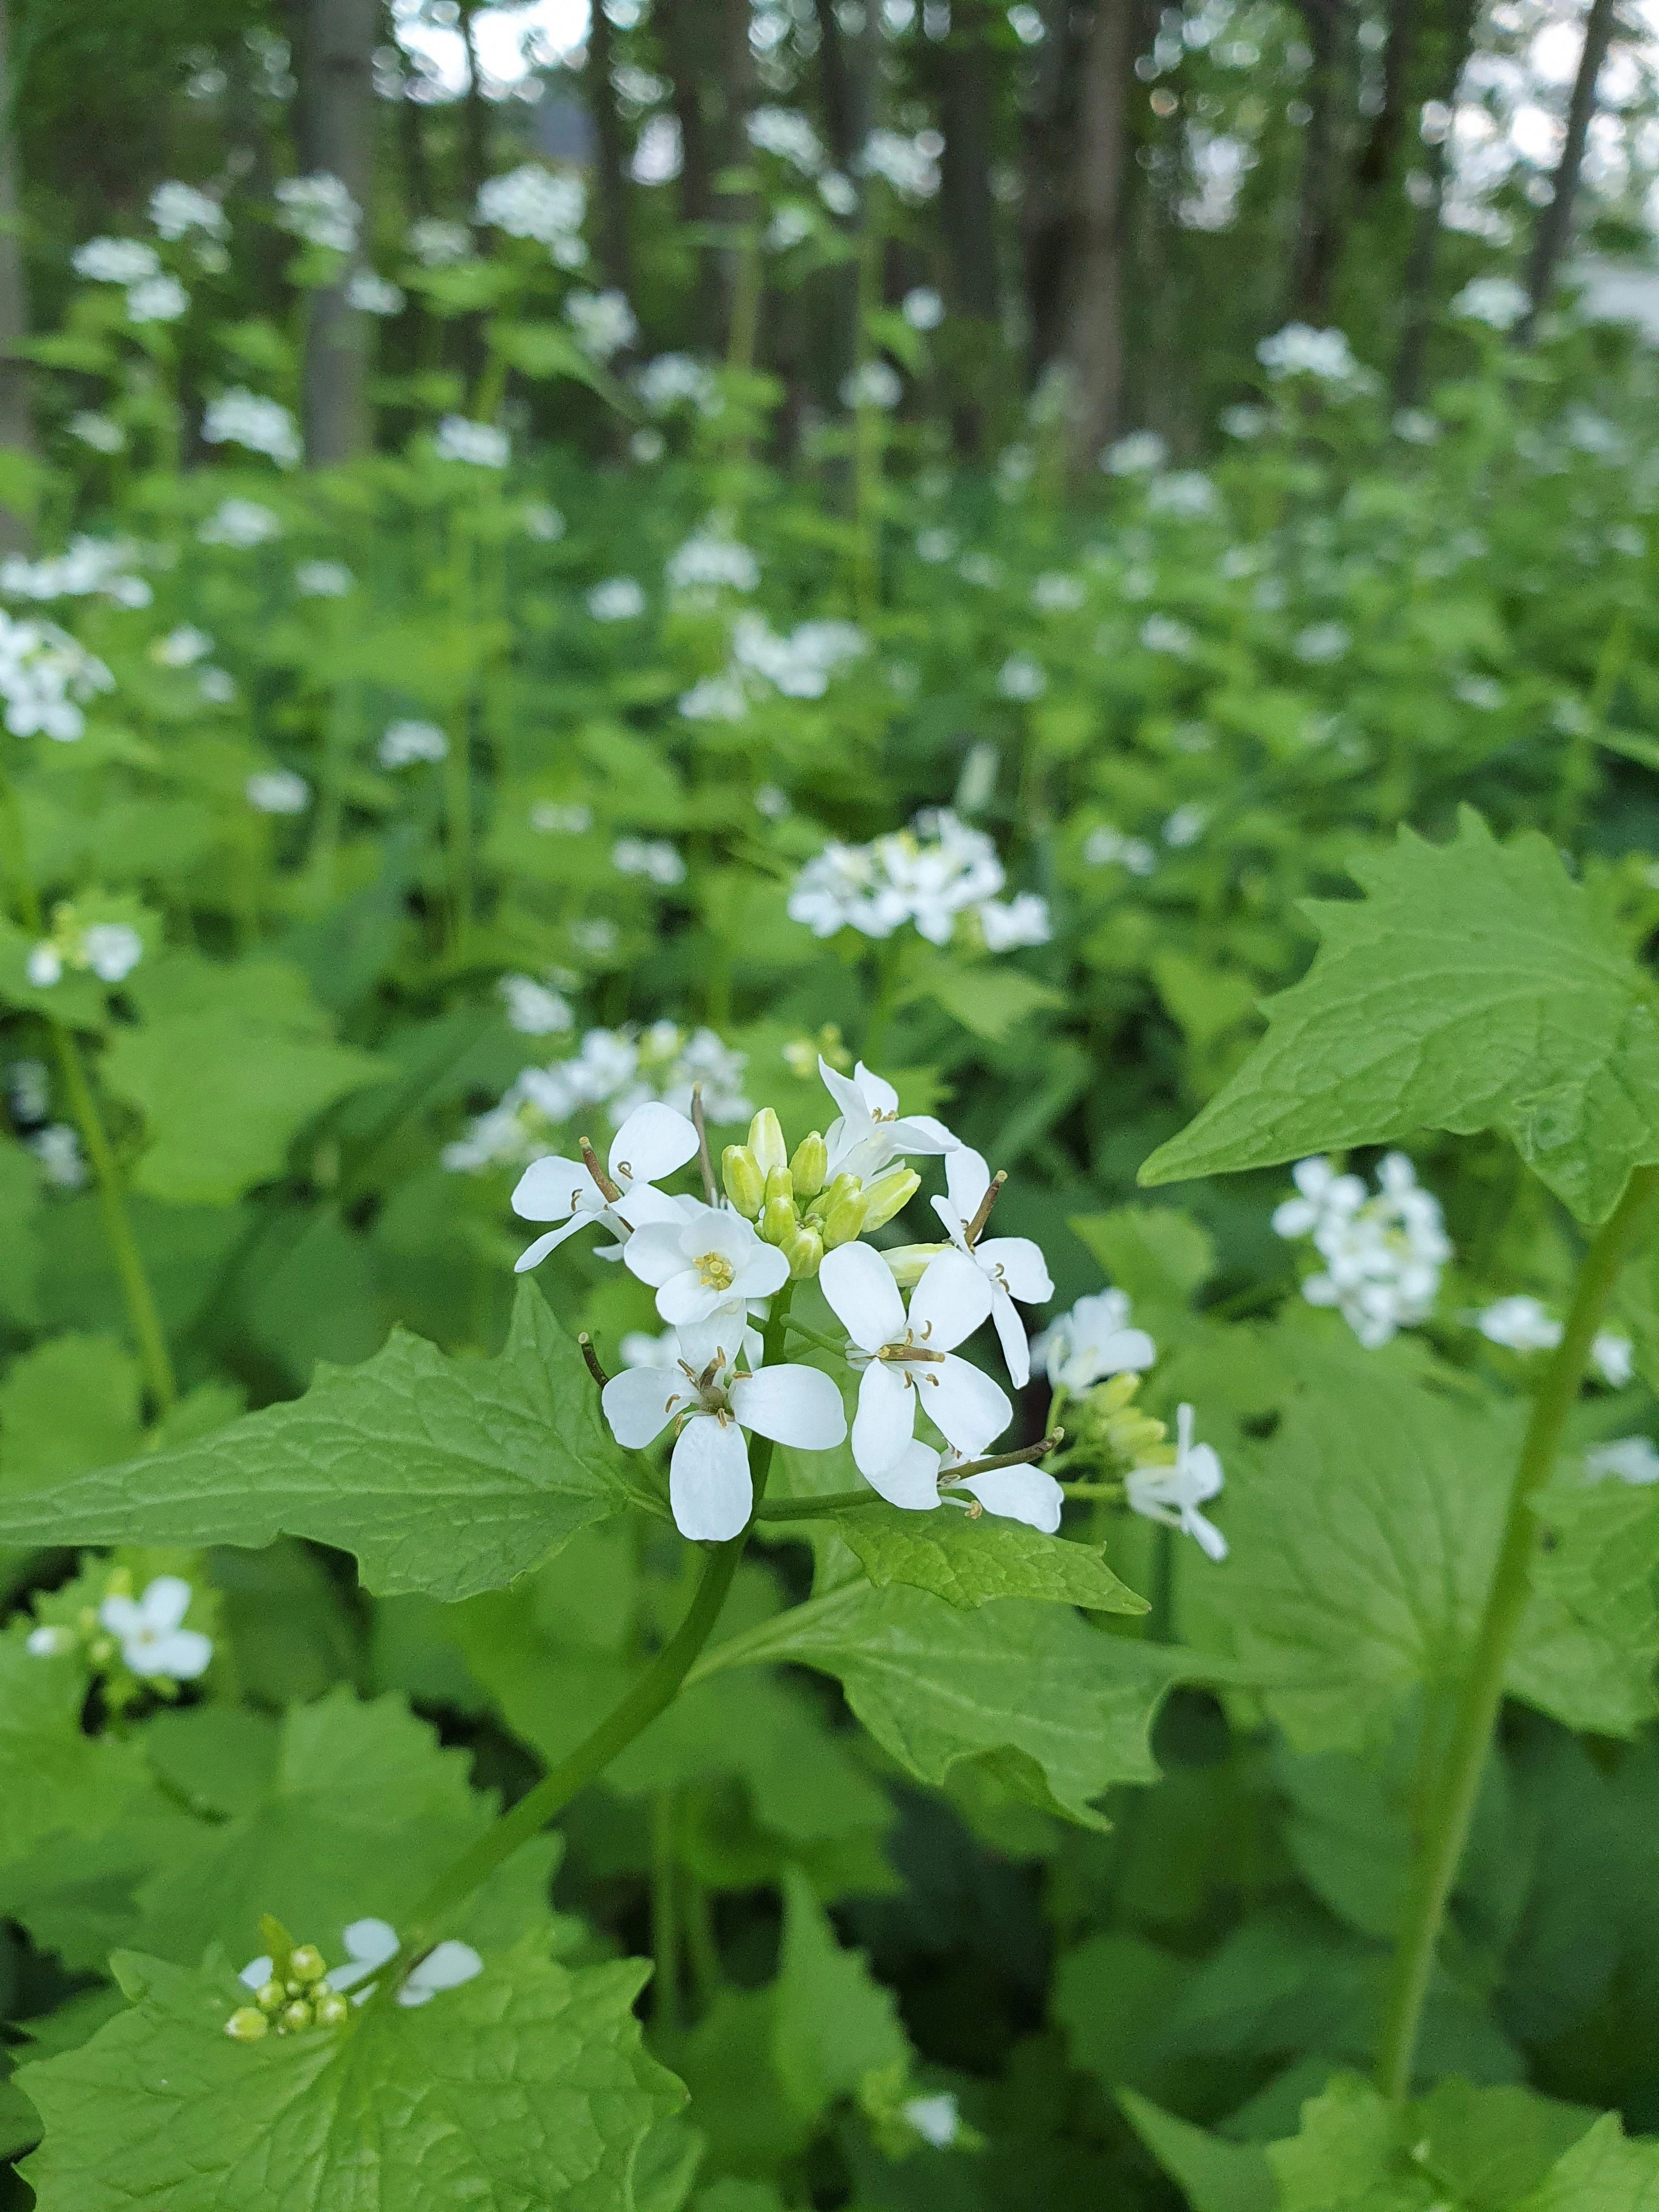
(683, 27)
(1388, 130)
(1554, 225)
(965, 71)
(836, 85)
(16, 425)
(334, 133)
(1320, 208)
(412, 154)
(1416, 286)
(1094, 337)
(736, 211)
(1047, 223)
(475, 112)
(611, 166)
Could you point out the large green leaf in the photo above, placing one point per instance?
(832, 2022)
(966, 1562)
(226, 1066)
(442, 1475)
(1475, 986)
(1603, 2172)
(527, 2086)
(54, 1777)
(1214, 2175)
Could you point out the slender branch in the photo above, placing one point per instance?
(608, 1190)
(1452, 1808)
(975, 1228)
(585, 1343)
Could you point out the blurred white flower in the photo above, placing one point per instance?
(277, 791)
(1055, 593)
(873, 383)
(1185, 826)
(1092, 1341)
(320, 210)
(57, 1148)
(603, 322)
(115, 261)
(618, 599)
(157, 300)
(371, 1944)
(675, 380)
(1244, 421)
(715, 699)
(1300, 350)
(1629, 1459)
(936, 2119)
(154, 1642)
(478, 445)
(182, 647)
(178, 210)
(1519, 1324)
(654, 858)
(786, 134)
(241, 417)
(1322, 643)
(1383, 1254)
(45, 678)
(1163, 634)
(99, 431)
(710, 561)
(543, 521)
(1188, 495)
(838, 192)
(936, 545)
(374, 294)
(1142, 454)
(800, 664)
(217, 686)
(1021, 678)
(551, 819)
(322, 580)
(1010, 924)
(1415, 427)
(438, 243)
(1497, 301)
(922, 308)
(240, 523)
(1106, 846)
(1174, 1494)
(909, 165)
(531, 202)
(402, 743)
(533, 1008)
(1484, 692)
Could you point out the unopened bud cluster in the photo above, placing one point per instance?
(294, 1995)
(1110, 1426)
(789, 1199)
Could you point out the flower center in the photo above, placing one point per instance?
(715, 1269)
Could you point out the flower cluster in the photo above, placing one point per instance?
(1324, 356)
(147, 1633)
(479, 445)
(295, 1987)
(45, 678)
(240, 523)
(616, 1071)
(927, 876)
(799, 665)
(110, 949)
(179, 210)
(320, 210)
(531, 202)
(89, 567)
(241, 417)
(1383, 1253)
(604, 323)
(1522, 1323)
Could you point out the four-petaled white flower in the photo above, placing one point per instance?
(369, 1944)
(910, 1360)
(150, 1630)
(705, 1265)
(1092, 1341)
(868, 1133)
(1012, 1265)
(1174, 1494)
(653, 1141)
(708, 1482)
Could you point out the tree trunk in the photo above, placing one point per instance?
(475, 112)
(16, 425)
(967, 211)
(332, 121)
(1094, 337)
(735, 211)
(610, 167)
(683, 25)
(1416, 286)
(1320, 211)
(836, 85)
(1554, 225)
(1388, 129)
(1049, 125)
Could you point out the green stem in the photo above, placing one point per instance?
(1452, 1805)
(843, 1501)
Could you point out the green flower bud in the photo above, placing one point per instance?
(307, 1964)
(844, 1186)
(910, 1262)
(842, 1222)
(766, 1140)
(777, 1222)
(889, 1195)
(805, 1252)
(809, 1166)
(330, 2008)
(246, 2025)
(270, 1996)
(745, 1185)
(294, 2017)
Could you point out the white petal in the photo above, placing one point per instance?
(446, 1966)
(371, 1943)
(121, 1616)
(533, 1255)
(685, 1299)
(1019, 1493)
(885, 1422)
(642, 1204)
(798, 1405)
(763, 1271)
(708, 1485)
(1203, 1472)
(949, 1302)
(721, 1332)
(654, 1252)
(964, 1404)
(651, 1143)
(923, 1132)
(1210, 1538)
(1022, 1266)
(846, 1094)
(256, 1973)
(967, 1179)
(165, 1603)
(1128, 1351)
(640, 1402)
(860, 1285)
(1010, 1335)
(911, 1481)
(552, 1189)
(956, 1227)
(183, 1655)
(876, 1091)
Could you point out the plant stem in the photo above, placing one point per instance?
(843, 1501)
(1452, 1805)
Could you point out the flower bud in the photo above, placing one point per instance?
(777, 1222)
(910, 1262)
(804, 1250)
(270, 1996)
(293, 2017)
(306, 1963)
(1116, 1392)
(745, 1185)
(844, 1219)
(889, 1195)
(330, 2008)
(809, 1166)
(766, 1140)
(246, 2024)
(844, 1186)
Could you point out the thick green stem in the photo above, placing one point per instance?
(1452, 1805)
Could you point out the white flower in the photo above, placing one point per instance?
(543, 521)
(1300, 350)
(111, 950)
(1322, 643)
(49, 1643)
(322, 580)
(1244, 421)
(181, 647)
(404, 743)
(438, 243)
(1163, 634)
(532, 1009)
(1630, 1459)
(653, 1141)
(1008, 924)
(1013, 1265)
(716, 699)
(1519, 1324)
(478, 445)
(1484, 692)
(44, 966)
(784, 132)
(675, 380)
(603, 322)
(319, 210)
(1022, 678)
(373, 295)
(370, 1944)
(1013, 1493)
(1106, 844)
(705, 1263)
(772, 801)
(1092, 1341)
(907, 1359)
(57, 1148)
(873, 383)
(800, 664)
(150, 1630)
(1185, 826)
(867, 1133)
(240, 523)
(530, 202)
(654, 858)
(708, 1482)
(45, 676)
(1383, 1254)
(910, 166)
(98, 431)
(1614, 1357)
(217, 686)
(1174, 1494)
(115, 260)
(711, 562)
(1323, 1197)
(1188, 493)
(1055, 593)
(178, 209)
(936, 545)
(241, 417)
(550, 818)
(87, 565)
(1415, 427)
(618, 599)
(160, 299)
(28, 1090)
(1142, 454)
(922, 308)
(935, 2119)
(1498, 301)
(837, 192)
(276, 791)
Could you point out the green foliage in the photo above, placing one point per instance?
(968, 1562)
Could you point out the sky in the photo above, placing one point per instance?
(553, 26)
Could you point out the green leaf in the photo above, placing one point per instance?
(52, 1776)
(528, 2086)
(66, 1405)
(1347, 2154)
(229, 1064)
(966, 1562)
(832, 2022)
(1602, 2173)
(1057, 1710)
(1214, 2175)
(1475, 986)
(1159, 1255)
(1490, 2147)
(443, 1475)
(989, 1001)
(1592, 1630)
